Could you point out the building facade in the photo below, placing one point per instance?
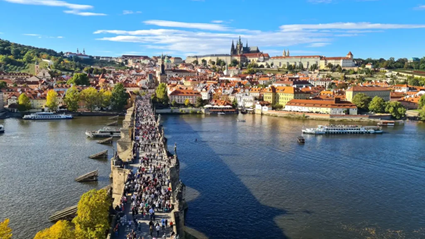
(330, 107)
(370, 91)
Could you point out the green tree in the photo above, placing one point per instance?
(234, 62)
(72, 97)
(3, 85)
(421, 102)
(92, 215)
(79, 79)
(119, 97)
(235, 103)
(161, 94)
(52, 100)
(396, 109)
(90, 97)
(187, 102)
(29, 56)
(105, 98)
(361, 101)
(204, 62)
(174, 103)
(199, 102)
(413, 82)
(60, 230)
(422, 114)
(195, 62)
(277, 107)
(377, 105)
(24, 102)
(5, 231)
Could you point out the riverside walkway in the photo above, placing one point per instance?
(152, 201)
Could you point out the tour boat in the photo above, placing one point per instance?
(221, 113)
(104, 132)
(46, 116)
(1, 129)
(301, 140)
(343, 129)
(386, 123)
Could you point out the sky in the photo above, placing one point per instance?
(367, 28)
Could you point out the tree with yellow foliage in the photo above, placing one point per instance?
(5, 231)
(92, 219)
(105, 98)
(60, 230)
(52, 100)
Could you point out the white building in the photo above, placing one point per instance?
(330, 107)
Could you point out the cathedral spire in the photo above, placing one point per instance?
(247, 43)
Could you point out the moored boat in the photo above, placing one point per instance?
(343, 129)
(1, 129)
(46, 116)
(104, 132)
(386, 123)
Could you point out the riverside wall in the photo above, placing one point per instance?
(121, 168)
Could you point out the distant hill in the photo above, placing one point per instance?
(16, 57)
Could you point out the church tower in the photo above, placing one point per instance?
(161, 75)
(232, 49)
(84, 51)
(78, 51)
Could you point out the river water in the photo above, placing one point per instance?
(253, 179)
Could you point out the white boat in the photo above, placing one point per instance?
(386, 123)
(104, 133)
(1, 129)
(47, 116)
(221, 113)
(343, 129)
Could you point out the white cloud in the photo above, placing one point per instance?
(318, 44)
(421, 7)
(202, 26)
(73, 8)
(85, 14)
(320, 1)
(217, 21)
(41, 36)
(128, 12)
(204, 38)
(348, 26)
(52, 3)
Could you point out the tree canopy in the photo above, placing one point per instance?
(187, 102)
(72, 97)
(52, 100)
(24, 102)
(421, 102)
(396, 109)
(5, 230)
(361, 101)
(377, 105)
(119, 97)
(90, 97)
(79, 79)
(105, 98)
(422, 114)
(92, 214)
(161, 94)
(60, 230)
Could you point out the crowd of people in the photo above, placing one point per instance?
(147, 190)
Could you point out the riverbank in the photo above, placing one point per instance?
(332, 118)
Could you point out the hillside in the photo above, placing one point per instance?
(21, 58)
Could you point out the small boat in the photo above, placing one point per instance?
(1, 129)
(104, 132)
(46, 116)
(241, 120)
(301, 140)
(386, 123)
(221, 113)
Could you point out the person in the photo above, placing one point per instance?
(157, 229)
(150, 229)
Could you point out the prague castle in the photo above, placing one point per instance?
(247, 54)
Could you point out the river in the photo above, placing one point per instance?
(253, 179)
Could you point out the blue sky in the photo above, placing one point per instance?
(368, 28)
